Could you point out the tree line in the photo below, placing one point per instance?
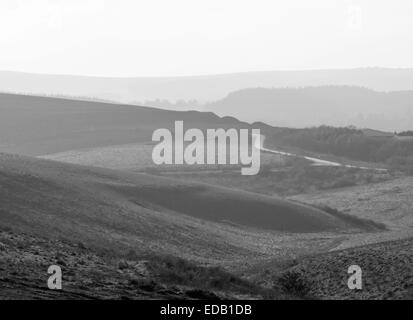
(351, 143)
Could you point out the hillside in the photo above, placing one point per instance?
(345, 142)
(96, 274)
(387, 273)
(387, 269)
(323, 105)
(33, 125)
(137, 235)
(102, 207)
(125, 208)
(124, 232)
(389, 202)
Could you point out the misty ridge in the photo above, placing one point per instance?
(376, 98)
(327, 105)
(205, 88)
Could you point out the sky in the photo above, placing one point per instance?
(132, 38)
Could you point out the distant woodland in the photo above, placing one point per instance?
(351, 143)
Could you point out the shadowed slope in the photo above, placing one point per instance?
(237, 207)
(32, 125)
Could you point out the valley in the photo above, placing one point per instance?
(78, 187)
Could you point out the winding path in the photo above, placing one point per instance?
(259, 143)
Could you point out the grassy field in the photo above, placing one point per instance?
(279, 175)
(389, 202)
(138, 157)
(123, 210)
(287, 180)
(366, 192)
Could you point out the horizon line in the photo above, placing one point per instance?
(203, 75)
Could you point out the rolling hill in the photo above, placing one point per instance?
(33, 125)
(67, 199)
(86, 219)
(120, 210)
(387, 272)
(89, 219)
(323, 105)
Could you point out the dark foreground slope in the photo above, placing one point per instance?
(32, 125)
(387, 272)
(96, 274)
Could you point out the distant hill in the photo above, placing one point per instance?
(33, 125)
(377, 133)
(326, 105)
(201, 88)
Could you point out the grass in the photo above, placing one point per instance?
(386, 266)
(177, 271)
(296, 177)
(295, 283)
(174, 270)
(366, 224)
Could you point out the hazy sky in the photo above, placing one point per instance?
(188, 37)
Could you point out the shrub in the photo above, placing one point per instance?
(366, 224)
(144, 284)
(131, 255)
(174, 270)
(293, 282)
